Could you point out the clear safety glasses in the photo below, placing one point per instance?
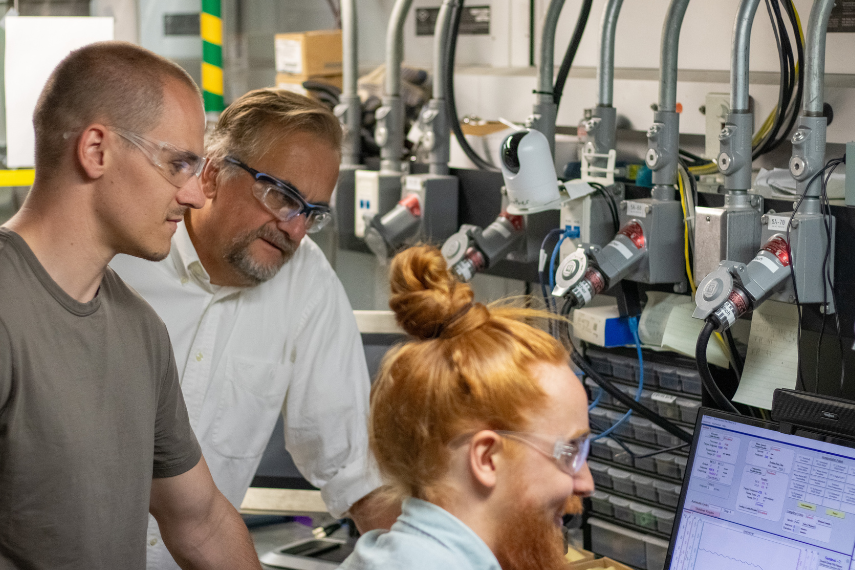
(175, 164)
(283, 200)
(570, 456)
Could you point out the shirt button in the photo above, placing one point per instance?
(199, 357)
(152, 541)
(184, 280)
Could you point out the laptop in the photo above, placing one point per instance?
(754, 498)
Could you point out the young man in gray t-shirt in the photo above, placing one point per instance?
(94, 433)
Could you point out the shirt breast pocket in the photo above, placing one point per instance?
(250, 402)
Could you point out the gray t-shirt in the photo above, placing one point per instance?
(90, 410)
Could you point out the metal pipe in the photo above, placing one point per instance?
(668, 58)
(395, 46)
(814, 69)
(606, 69)
(739, 55)
(547, 46)
(440, 34)
(351, 149)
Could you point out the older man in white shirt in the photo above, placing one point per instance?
(258, 319)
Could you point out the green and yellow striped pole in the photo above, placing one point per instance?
(211, 25)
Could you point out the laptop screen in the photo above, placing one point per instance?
(757, 499)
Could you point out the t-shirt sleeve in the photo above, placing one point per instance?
(176, 450)
(5, 366)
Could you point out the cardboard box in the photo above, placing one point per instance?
(602, 326)
(599, 563)
(309, 53)
(295, 82)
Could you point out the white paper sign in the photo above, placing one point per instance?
(34, 47)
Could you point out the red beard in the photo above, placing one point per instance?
(529, 540)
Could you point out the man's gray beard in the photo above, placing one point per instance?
(255, 273)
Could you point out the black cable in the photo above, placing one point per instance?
(738, 365)
(828, 282)
(570, 54)
(783, 101)
(610, 203)
(704, 369)
(448, 88)
(627, 401)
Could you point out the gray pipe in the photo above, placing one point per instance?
(441, 33)
(739, 55)
(668, 58)
(351, 149)
(606, 69)
(814, 68)
(395, 46)
(547, 46)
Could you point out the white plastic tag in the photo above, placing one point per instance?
(779, 223)
(624, 251)
(636, 209)
(665, 398)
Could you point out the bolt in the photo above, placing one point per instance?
(764, 219)
(654, 106)
(647, 209)
(623, 206)
(709, 218)
(791, 299)
(795, 205)
(703, 109)
(794, 224)
(740, 269)
(822, 309)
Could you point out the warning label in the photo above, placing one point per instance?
(842, 17)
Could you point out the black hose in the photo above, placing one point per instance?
(704, 369)
(627, 401)
(570, 54)
(448, 90)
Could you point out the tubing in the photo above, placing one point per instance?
(739, 55)
(606, 69)
(547, 46)
(668, 57)
(704, 369)
(351, 151)
(636, 407)
(395, 46)
(814, 95)
(440, 44)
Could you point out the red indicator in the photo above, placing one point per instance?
(635, 233)
(411, 203)
(595, 278)
(516, 221)
(738, 302)
(777, 246)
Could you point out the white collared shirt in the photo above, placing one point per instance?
(290, 344)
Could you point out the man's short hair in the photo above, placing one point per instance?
(255, 121)
(116, 83)
(468, 368)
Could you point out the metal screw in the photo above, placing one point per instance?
(791, 299)
(794, 224)
(709, 219)
(764, 219)
(647, 209)
(654, 106)
(822, 309)
(703, 109)
(740, 269)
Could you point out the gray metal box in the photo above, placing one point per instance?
(662, 222)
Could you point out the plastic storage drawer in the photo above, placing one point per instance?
(666, 404)
(600, 448)
(644, 463)
(600, 362)
(594, 389)
(664, 520)
(643, 486)
(599, 419)
(622, 511)
(666, 466)
(668, 493)
(665, 439)
(643, 515)
(681, 465)
(600, 473)
(690, 380)
(621, 481)
(600, 503)
(624, 429)
(668, 378)
(619, 454)
(688, 410)
(618, 543)
(651, 374)
(642, 429)
(624, 368)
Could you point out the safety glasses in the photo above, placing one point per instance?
(570, 456)
(283, 200)
(175, 164)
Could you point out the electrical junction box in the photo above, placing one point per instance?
(589, 219)
(717, 107)
(438, 196)
(661, 222)
(376, 192)
(602, 326)
(849, 194)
